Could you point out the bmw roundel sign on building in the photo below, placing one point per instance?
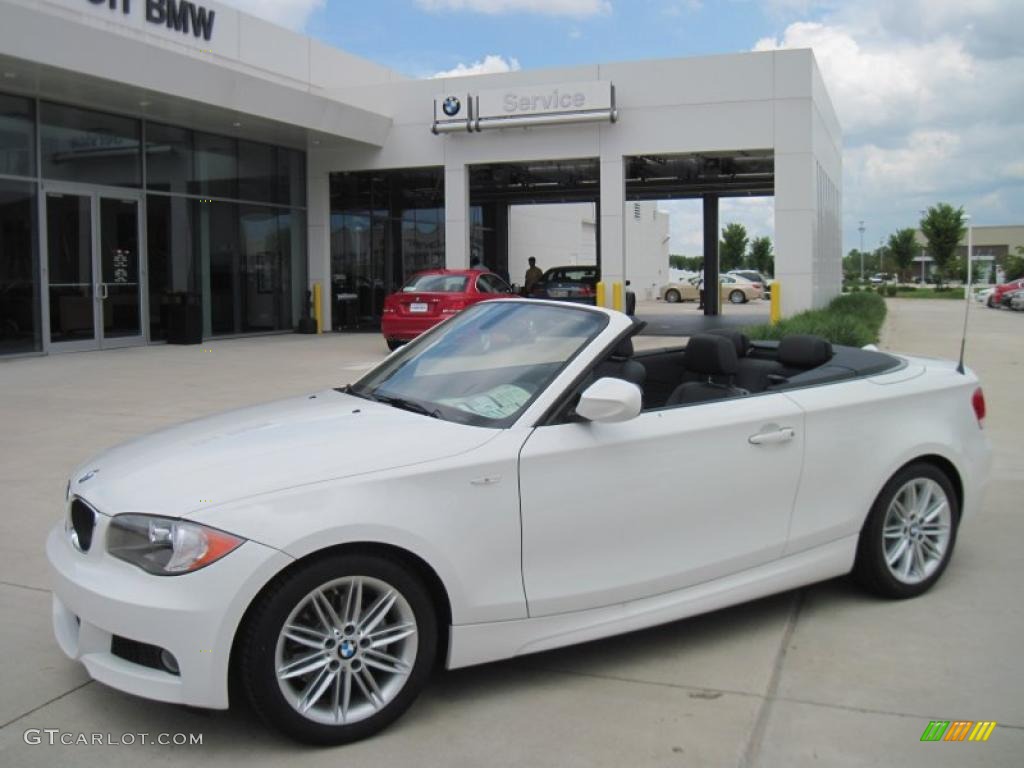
(451, 106)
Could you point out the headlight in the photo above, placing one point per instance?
(166, 546)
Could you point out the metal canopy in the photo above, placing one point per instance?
(648, 177)
(726, 174)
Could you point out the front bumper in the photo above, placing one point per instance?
(193, 616)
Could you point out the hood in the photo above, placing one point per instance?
(215, 460)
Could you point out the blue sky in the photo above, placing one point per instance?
(928, 91)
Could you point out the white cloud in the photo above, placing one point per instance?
(874, 84)
(288, 13)
(927, 93)
(489, 65)
(574, 8)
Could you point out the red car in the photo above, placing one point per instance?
(996, 297)
(434, 295)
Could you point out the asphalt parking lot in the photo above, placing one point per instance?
(819, 676)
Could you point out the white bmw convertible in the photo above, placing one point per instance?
(507, 483)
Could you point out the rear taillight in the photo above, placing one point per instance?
(978, 403)
(453, 307)
(586, 290)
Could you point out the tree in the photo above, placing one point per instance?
(1013, 266)
(761, 257)
(732, 247)
(903, 249)
(689, 263)
(943, 228)
(851, 264)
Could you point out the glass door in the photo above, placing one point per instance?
(118, 267)
(94, 269)
(72, 290)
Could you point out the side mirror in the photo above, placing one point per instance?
(610, 400)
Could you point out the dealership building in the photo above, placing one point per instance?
(157, 155)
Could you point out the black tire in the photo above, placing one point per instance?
(672, 296)
(870, 568)
(991, 303)
(738, 297)
(394, 344)
(259, 644)
(630, 303)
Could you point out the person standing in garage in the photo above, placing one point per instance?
(533, 274)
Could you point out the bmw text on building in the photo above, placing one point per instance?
(171, 161)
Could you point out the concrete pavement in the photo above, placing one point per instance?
(820, 676)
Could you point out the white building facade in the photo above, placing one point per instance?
(158, 154)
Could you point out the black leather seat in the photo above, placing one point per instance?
(752, 374)
(711, 363)
(621, 365)
(801, 352)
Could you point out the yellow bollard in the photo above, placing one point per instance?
(318, 308)
(600, 294)
(776, 310)
(617, 297)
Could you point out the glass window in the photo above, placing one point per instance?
(385, 226)
(171, 228)
(17, 136)
(265, 276)
(19, 269)
(86, 146)
(257, 165)
(216, 166)
(436, 283)
(492, 284)
(497, 356)
(291, 177)
(169, 159)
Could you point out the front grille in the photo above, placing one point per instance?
(140, 653)
(83, 523)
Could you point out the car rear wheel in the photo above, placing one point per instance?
(393, 344)
(737, 297)
(909, 536)
(672, 296)
(338, 649)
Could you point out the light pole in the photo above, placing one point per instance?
(970, 256)
(861, 230)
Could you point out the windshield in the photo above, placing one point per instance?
(484, 366)
(436, 284)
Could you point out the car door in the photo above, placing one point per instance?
(672, 498)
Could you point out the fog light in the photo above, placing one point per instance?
(170, 663)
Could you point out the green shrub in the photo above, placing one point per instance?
(852, 319)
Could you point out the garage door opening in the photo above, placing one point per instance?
(702, 194)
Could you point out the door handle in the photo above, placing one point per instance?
(101, 291)
(782, 435)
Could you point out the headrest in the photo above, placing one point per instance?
(710, 355)
(624, 348)
(804, 351)
(739, 340)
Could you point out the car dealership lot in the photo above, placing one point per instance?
(822, 675)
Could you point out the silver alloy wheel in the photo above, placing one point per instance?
(737, 297)
(672, 296)
(916, 530)
(346, 650)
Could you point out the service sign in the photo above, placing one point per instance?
(545, 100)
(525, 106)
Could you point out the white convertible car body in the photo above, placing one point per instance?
(532, 535)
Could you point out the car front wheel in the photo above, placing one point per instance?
(672, 296)
(338, 649)
(909, 535)
(737, 297)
